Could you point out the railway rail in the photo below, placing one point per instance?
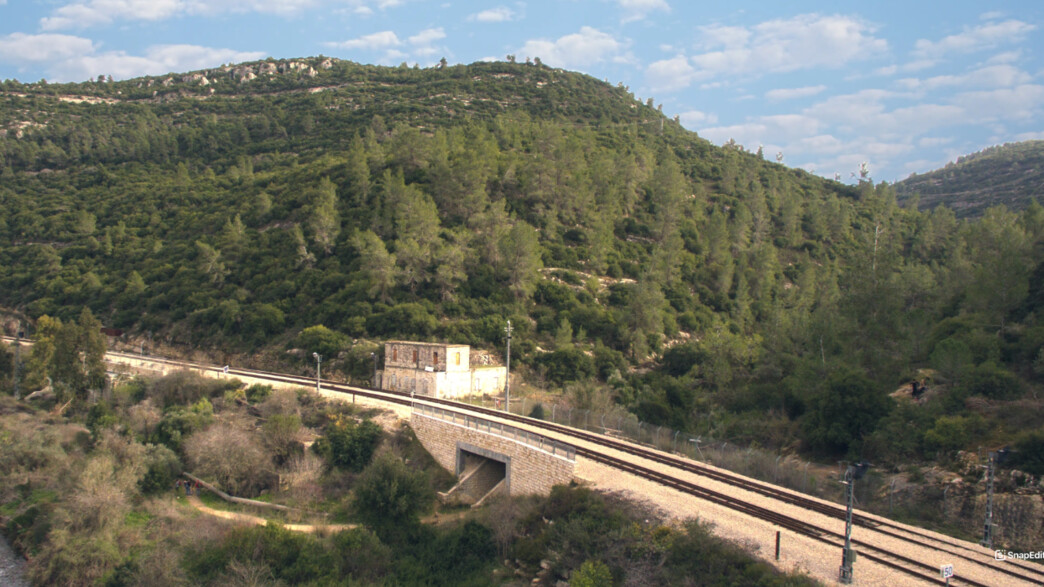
(967, 553)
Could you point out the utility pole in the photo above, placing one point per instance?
(318, 362)
(507, 376)
(987, 530)
(848, 555)
(18, 363)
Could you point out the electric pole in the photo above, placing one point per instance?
(18, 363)
(318, 362)
(991, 465)
(507, 376)
(848, 555)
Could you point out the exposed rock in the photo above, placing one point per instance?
(326, 64)
(267, 68)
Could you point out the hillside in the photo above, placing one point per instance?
(1010, 175)
(261, 212)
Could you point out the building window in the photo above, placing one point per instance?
(395, 353)
(435, 357)
(456, 358)
(415, 356)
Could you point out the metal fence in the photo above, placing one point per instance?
(958, 515)
(541, 442)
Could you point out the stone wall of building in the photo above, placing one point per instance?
(530, 470)
(436, 357)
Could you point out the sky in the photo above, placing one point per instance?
(825, 86)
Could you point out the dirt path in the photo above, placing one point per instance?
(259, 521)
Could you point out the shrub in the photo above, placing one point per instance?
(567, 365)
(593, 573)
(258, 392)
(231, 457)
(952, 433)
(989, 380)
(390, 498)
(186, 387)
(322, 340)
(348, 444)
(1029, 453)
(162, 468)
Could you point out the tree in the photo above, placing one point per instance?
(376, 264)
(78, 362)
(644, 316)
(390, 498)
(348, 444)
(229, 456)
(323, 220)
(210, 263)
(520, 257)
(322, 340)
(843, 412)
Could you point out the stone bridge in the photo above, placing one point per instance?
(491, 457)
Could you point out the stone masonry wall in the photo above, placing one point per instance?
(530, 470)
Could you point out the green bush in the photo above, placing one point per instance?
(162, 468)
(1029, 453)
(322, 340)
(953, 433)
(991, 381)
(390, 498)
(593, 573)
(567, 365)
(258, 392)
(348, 444)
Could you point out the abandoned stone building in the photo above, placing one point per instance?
(438, 370)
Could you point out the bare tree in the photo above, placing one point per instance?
(229, 456)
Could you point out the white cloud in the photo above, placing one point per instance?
(792, 93)
(1005, 57)
(586, 47)
(103, 12)
(934, 141)
(695, 118)
(1018, 103)
(670, 74)
(427, 36)
(993, 76)
(974, 39)
(373, 41)
(639, 9)
(803, 42)
(1030, 136)
(20, 48)
(157, 60)
(90, 13)
(498, 14)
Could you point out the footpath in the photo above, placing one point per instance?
(259, 521)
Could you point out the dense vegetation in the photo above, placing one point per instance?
(1009, 175)
(640, 265)
(90, 498)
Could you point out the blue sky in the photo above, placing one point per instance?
(904, 86)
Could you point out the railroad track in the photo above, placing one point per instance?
(1016, 570)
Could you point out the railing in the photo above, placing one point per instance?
(538, 441)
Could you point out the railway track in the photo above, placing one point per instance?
(966, 553)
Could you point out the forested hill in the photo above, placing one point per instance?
(324, 205)
(1011, 175)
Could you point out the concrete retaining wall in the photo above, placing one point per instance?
(529, 470)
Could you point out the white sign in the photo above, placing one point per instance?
(947, 571)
